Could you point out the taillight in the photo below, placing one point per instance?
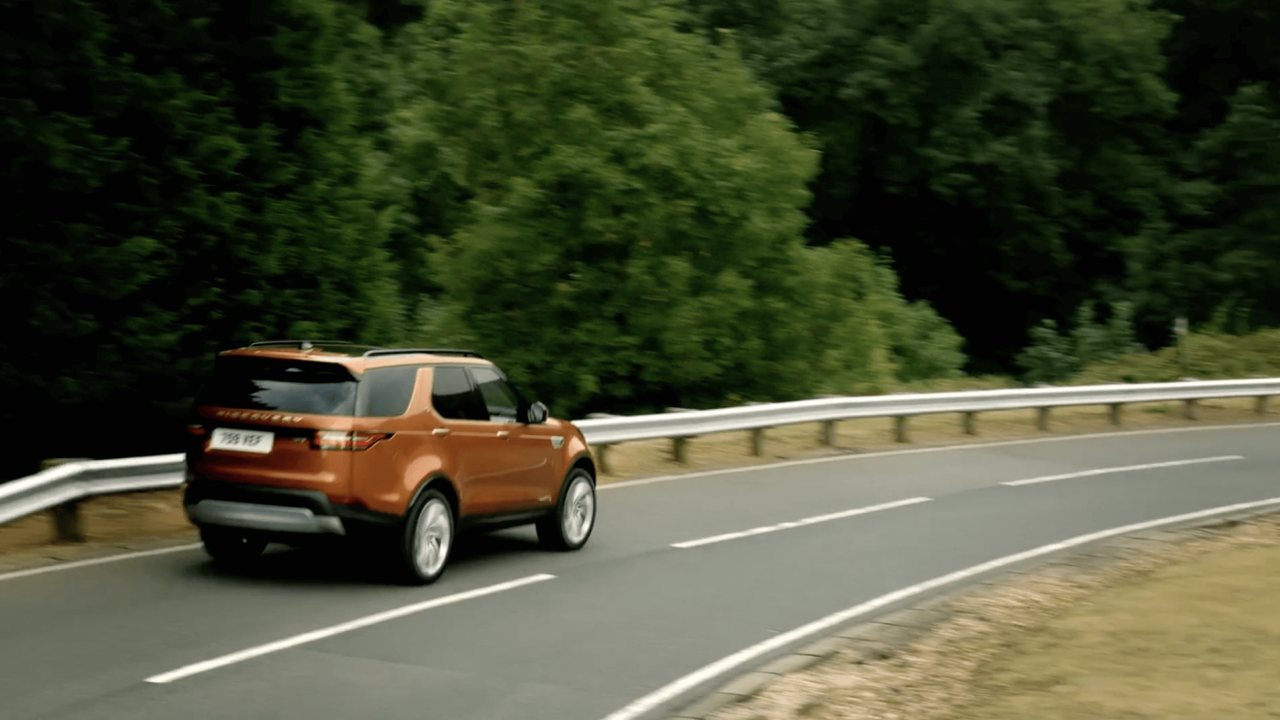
(339, 440)
(197, 430)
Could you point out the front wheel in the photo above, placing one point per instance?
(428, 539)
(575, 515)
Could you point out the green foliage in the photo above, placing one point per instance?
(868, 338)
(610, 207)
(1241, 157)
(612, 197)
(633, 236)
(844, 318)
(1210, 356)
(1002, 149)
(181, 177)
(1049, 357)
(924, 345)
(1054, 358)
(1215, 244)
(1021, 156)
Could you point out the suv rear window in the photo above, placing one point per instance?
(290, 386)
(308, 388)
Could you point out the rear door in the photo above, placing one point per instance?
(391, 435)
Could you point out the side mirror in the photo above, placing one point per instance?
(534, 414)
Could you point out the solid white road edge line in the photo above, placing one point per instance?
(916, 451)
(1127, 468)
(94, 561)
(798, 523)
(710, 672)
(332, 630)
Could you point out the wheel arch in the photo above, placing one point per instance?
(582, 460)
(441, 482)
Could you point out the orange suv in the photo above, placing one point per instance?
(298, 441)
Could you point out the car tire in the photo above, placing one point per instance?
(230, 547)
(569, 527)
(427, 541)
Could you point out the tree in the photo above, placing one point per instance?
(868, 335)
(635, 232)
(182, 177)
(1218, 248)
(1007, 152)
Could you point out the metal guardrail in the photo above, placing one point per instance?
(66, 484)
(679, 426)
(61, 487)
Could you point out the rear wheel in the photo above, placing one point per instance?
(231, 547)
(427, 541)
(575, 515)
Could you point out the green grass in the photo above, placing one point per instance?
(981, 382)
(1209, 357)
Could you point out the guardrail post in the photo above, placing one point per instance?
(970, 426)
(602, 459)
(66, 522)
(66, 517)
(1115, 413)
(1042, 419)
(678, 449)
(1192, 410)
(757, 434)
(900, 428)
(1261, 406)
(679, 445)
(828, 432)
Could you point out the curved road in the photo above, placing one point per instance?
(670, 582)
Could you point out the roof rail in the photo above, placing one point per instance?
(304, 344)
(423, 351)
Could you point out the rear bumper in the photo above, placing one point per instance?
(265, 518)
(279, 513)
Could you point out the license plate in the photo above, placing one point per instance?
(252, 441)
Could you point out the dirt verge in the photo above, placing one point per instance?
(1174, 625)
(111, 524)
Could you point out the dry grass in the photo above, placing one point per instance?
(1184, 629)
(110, 520)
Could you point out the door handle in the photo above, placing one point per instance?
(440, 432)
(502, 434)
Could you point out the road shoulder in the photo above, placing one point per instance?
(942, 657)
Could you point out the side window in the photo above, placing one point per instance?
(385, 392)
(454, 397)
(500, 400)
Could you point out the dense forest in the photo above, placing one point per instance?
(628, 204)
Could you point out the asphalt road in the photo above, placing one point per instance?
(620, 619)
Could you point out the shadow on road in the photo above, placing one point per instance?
(345, 565)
